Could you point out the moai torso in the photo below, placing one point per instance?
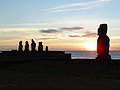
(26, 46)
(40, 47)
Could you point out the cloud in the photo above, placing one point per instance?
(60, 30)
(12, 33)
(71, 28)
(89, 34)
(47, 38)
(24, 25)
(86, 34)
(77, 6)
(74, 36)
(49, 31)
(103, 1)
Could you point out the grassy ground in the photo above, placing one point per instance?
(58, 75)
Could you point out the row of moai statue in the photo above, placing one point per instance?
(33, 46)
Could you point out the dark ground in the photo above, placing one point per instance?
(58, 75)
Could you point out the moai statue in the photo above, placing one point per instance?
(46, 49)
(26, 46)
(40, 47)
(20, 48)
(103, 44)
(33, 45)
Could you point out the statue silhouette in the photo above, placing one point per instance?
(103, 43)
(20, 48)
(46, 49)
(26, 46)
(33, 45)
(40, 47)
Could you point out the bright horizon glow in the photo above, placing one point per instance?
(90, 46)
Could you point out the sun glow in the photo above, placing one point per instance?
(91, 46)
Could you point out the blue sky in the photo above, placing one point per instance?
(26, 19)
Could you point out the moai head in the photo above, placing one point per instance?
(102, 30)
(40, 43)
(26, 42)
(20, 43)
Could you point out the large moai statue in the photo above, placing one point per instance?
(33, 45)
(103, 44)
(26, 46)
(20, 48)
(40, 47)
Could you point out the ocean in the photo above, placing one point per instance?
(91, 54)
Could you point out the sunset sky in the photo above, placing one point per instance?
(59, 24)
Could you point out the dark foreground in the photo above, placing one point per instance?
(59, 75)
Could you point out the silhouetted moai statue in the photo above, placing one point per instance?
(33, 45)
(46, 49)
(103, 44)
(26, 46)
(40, 47)
(20, 48)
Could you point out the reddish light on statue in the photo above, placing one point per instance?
(103, 43)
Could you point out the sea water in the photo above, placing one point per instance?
(91, 54)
